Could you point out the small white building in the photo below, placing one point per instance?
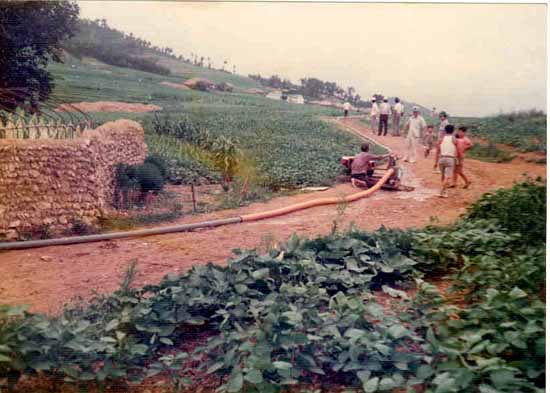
(296, 99)
(275, 95)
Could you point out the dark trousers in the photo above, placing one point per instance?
(383, 122)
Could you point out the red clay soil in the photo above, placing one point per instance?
(46, 278)
(107, 106)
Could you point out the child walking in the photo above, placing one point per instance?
(428, 140)
(463, 143)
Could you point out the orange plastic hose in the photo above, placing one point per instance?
(318, 202)
(204, 224)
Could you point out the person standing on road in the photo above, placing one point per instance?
(415, 127)
(347, 108)
(385, 111)
(398, 110)
(373, 115)
(446, 158)
(443, 122)
(434, 113)
(463, 144)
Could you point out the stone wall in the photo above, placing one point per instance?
(51, 183)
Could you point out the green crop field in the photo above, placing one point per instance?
(525, 131)
(289, 144)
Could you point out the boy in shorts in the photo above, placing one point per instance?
(446, 158)
(428, 140)
(463, 143)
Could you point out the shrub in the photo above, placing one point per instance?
(159, 162)
(149, 178)
(520, 209)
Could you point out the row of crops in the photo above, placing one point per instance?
(307, 316)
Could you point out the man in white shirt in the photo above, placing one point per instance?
(385, 111)
(415, 127)
(347, 108)
(398, 110)
(373, 115)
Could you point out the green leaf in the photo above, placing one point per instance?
(398, 331)
(111, 325)
(4, 358)
(395, 292)
(517, 293)
(371, 386)
(254, 376)
(386, 384)
(261, 273)
(354, 334)
(215, 367)
(235, 382)
(279, 365)
(363, 375)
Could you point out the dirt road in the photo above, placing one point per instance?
(47, 278)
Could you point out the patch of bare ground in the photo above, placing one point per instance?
(46, 278)
(108, 106)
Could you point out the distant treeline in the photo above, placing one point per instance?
(313, 88)
(96, 39)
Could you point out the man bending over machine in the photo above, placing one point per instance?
(360, 167)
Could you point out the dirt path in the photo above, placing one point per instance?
(47, 278)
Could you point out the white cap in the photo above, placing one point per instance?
(415, 109)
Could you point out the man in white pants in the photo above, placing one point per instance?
(415, 127)
(398, 110)
(373, 115)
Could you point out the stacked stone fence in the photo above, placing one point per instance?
(48, 184)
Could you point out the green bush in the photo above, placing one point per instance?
(520, 209)
(159, 162)
(149, 178)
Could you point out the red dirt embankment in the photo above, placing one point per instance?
(48, 277)
(107, 106)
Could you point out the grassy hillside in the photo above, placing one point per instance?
(287, 144)
(187, 71)
(525, 131)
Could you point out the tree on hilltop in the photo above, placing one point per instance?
(30, 36)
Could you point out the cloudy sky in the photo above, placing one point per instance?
(468, 59)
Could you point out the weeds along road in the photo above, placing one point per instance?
(47, 278)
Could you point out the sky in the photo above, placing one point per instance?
(467, 59)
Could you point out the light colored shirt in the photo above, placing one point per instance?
(347, 106)
(374, 109)
(447, 147)
(385, 108)
(398, 108)
(442, 126)
(416, 125)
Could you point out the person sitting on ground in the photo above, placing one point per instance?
(360, 165)
(347, 108)
(446, 157)
(463, 143)
(428, 140)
